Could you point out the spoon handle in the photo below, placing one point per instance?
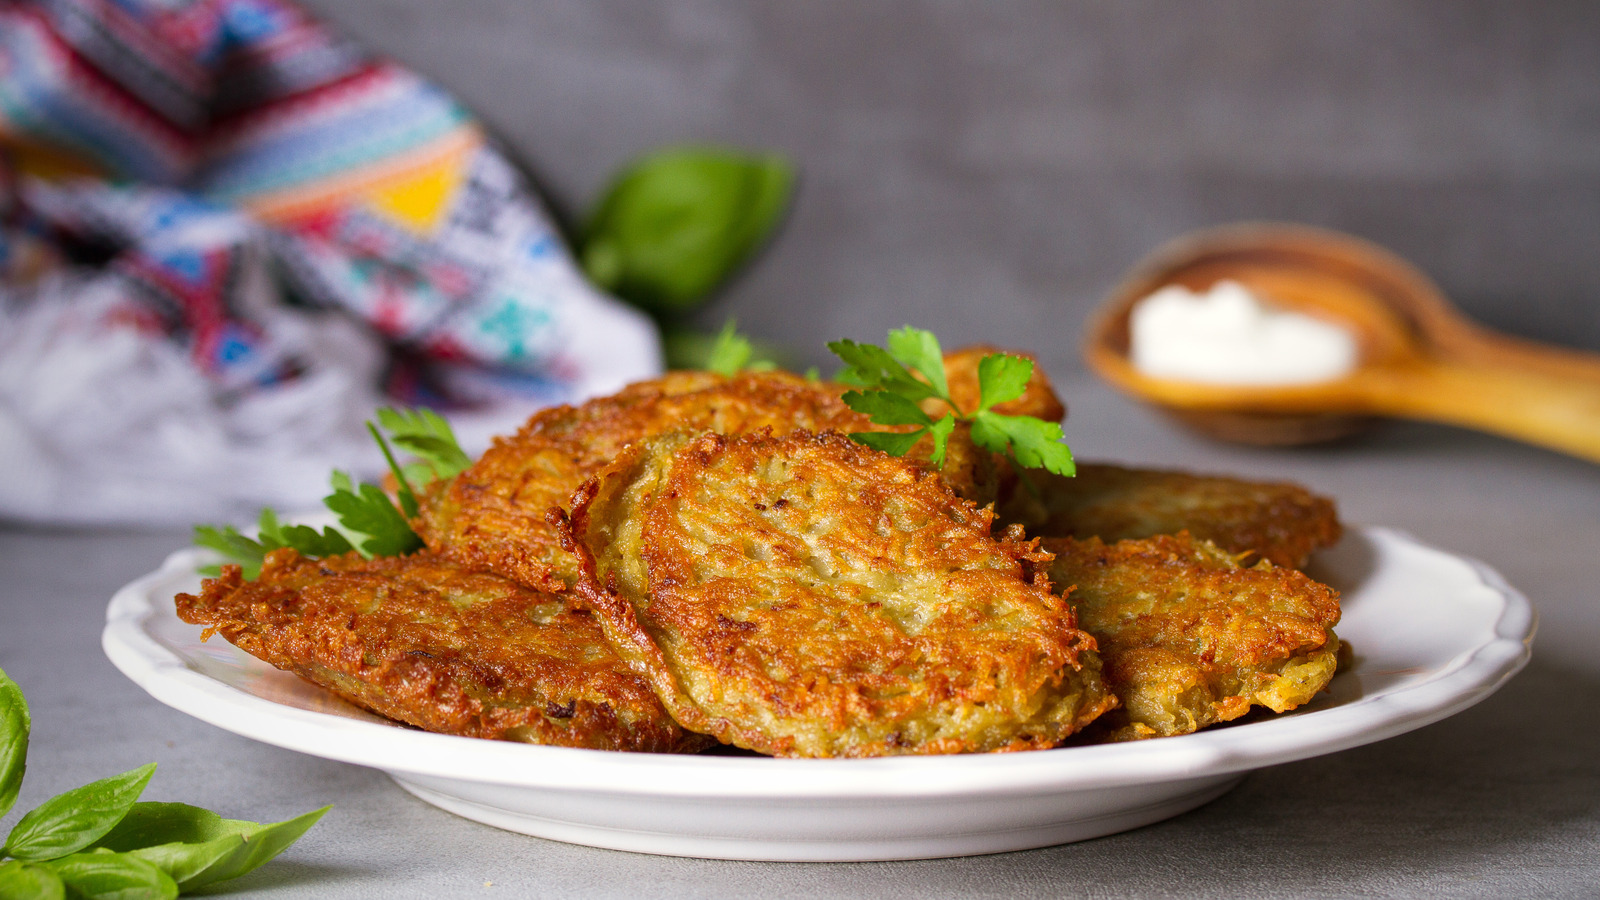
(1552, 405)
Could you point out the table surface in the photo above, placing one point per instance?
(1500, 800)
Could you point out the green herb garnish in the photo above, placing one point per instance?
(894, 393)
(732, 353)
(369, 522)
(270, 535)
(100, 841)
(428, 437)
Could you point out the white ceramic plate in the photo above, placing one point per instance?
(1433, 634)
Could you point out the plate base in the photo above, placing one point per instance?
(840, 837)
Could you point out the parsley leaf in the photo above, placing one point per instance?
(892, 392)
(1002, 378)
(887, 408)
(1033, 443)
(369, 522)
(249, 553)
(891, 442)
(426, 435)
(918, 349)
(871, 365)
(365, 510)
(731, 353)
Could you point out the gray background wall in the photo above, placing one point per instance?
(989, 170)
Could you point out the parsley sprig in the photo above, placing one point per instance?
(897, 379)
(732, 353)
(99, 840)
(368, 520)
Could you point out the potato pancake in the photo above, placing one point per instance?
(492, 516)
(804, 595)
(424, 642)
(1190, 637)
(1281, 523)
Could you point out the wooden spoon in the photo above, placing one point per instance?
(1419, 357)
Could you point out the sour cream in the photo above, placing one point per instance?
(1227, 335)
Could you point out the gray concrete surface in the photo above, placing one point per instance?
(1502, 800)
(988, 170)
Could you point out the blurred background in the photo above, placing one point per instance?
(990, 170)
(987, 171)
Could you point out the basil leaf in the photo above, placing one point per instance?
(69, 822)
(1002, 377)
(258, 843)
(919, 350)
(28, 881)
(100, 875)
(890, 442)
(148, 824)
(677, 223)
(197, 847)
(14, 728)
(887, 409)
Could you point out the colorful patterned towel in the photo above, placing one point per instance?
(197, 199)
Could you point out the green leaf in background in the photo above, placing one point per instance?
(730, 352)
(28, 881)
(197, 847)
(688, 349)
(71, 821)
(677, 223)
(14, 728)
(100, 875)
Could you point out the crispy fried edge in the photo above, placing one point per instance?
(1152, 676)
(409, 690)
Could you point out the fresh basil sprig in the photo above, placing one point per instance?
(99, 841)
(894, 393)
(677, 223)
(369, 522)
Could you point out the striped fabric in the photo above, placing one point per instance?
(185, 146)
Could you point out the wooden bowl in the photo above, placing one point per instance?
(1418, 356)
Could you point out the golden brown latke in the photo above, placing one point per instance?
(807, 596)
(1190, 637)
(1282, 523)
(422, 641)
(492, 516)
